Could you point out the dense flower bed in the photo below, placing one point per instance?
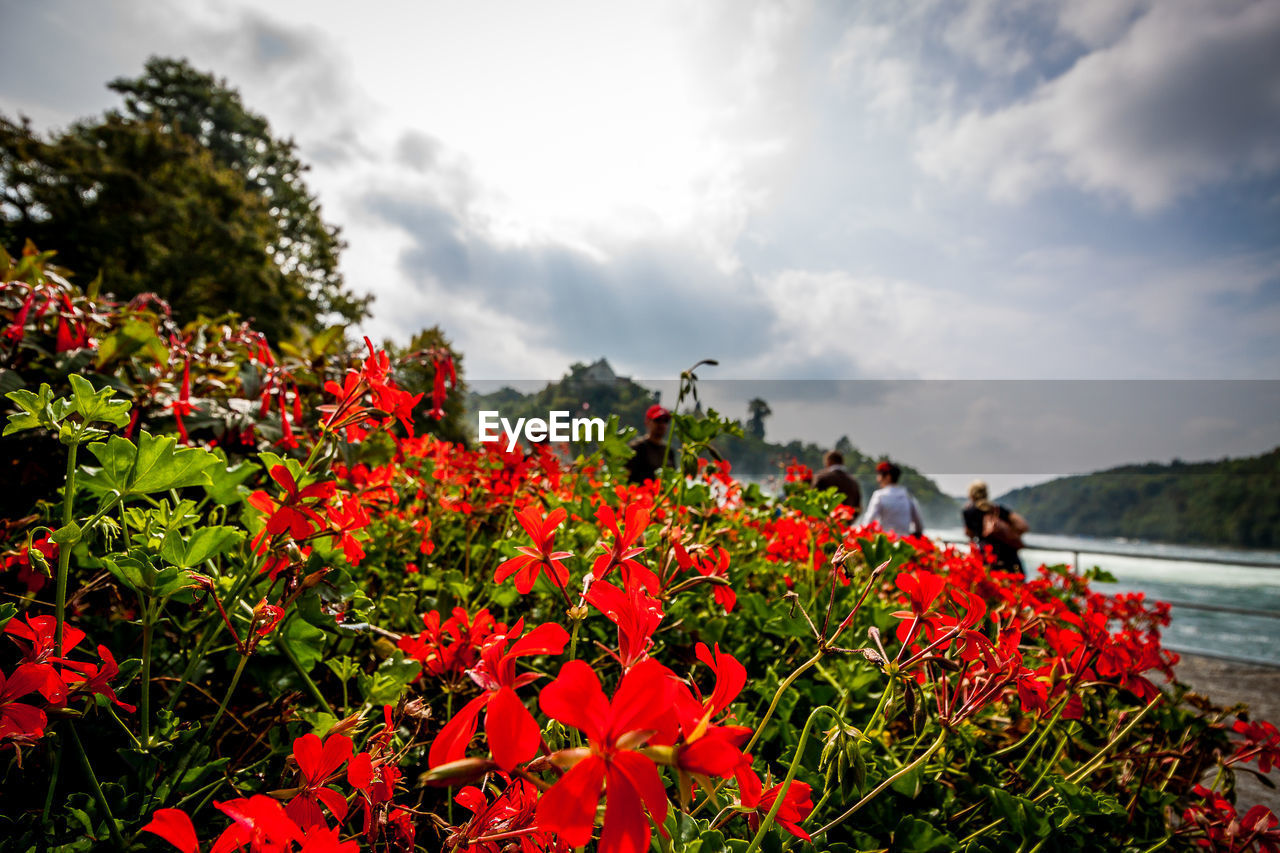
(258, 610)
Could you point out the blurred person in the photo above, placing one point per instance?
(652, 448)
(892, 505)
(836, 476)
(994, 527)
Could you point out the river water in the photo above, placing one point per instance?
(1185, 574)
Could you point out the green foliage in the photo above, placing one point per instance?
(186, 193)
(417, 375)
(154, 464)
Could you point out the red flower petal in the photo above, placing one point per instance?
(174, 826)
(569, 808)
(451, 743)
(513, 733)
(575, 699)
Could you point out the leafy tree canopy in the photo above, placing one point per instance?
(185, 193)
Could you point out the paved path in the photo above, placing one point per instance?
(1226, 683)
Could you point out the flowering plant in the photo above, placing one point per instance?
(261, 609)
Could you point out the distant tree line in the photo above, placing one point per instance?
(594, 390)
(1232, 502)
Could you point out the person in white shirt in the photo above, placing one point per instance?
(892, 505)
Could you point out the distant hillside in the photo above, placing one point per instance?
(1234, 502)
(595, 390)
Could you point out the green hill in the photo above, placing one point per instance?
(595, 390)
(1232, 502)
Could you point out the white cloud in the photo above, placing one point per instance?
(1098, 22)
(1186, 99)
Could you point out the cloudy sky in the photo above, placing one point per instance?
(1022, 189)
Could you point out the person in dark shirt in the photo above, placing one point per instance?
(1004, 539)
(836, 476)
(651, 448)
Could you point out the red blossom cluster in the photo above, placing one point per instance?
(51, 675)
(448, 649)
(1222, 830)
(47, 306)
(1261, 743)
(388, 402)
(263, 825)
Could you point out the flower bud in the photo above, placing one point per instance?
(460, 772)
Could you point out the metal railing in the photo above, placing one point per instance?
(1075, 552)
(1189, 605)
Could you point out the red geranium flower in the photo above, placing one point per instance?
(796, 803)
(18, 719)
(717, 566)
(640, 711)
(531, 560)
(513, 733)
(636, 613)
(318, 762)
(624, 551)
(93, 679)
(291, 515)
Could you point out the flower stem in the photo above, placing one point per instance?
(791, 775)
(64, 549)
(302, 673)
(144, 704)
(937, 744)
(116, 839)
(1044, 733)
(226, 697)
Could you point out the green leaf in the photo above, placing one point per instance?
(305, 641)
(917, 836)
(171, 580)
(206, 543)
(7, 612)
(35, 410)
(1022, 815)
(225, 482)
(116, 456)
(95, 406)
(161, 467)
(134, 336)
(390, 679)
(155, 464)
(128, 571)
(68, 535)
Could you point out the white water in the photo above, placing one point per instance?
(1185, 577)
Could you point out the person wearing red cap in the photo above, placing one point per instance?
(651, 450)
(892, 505)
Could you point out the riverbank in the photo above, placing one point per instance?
(1227, 683)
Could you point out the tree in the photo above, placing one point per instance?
(416, 369)
(184, 193)
(758, 410)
